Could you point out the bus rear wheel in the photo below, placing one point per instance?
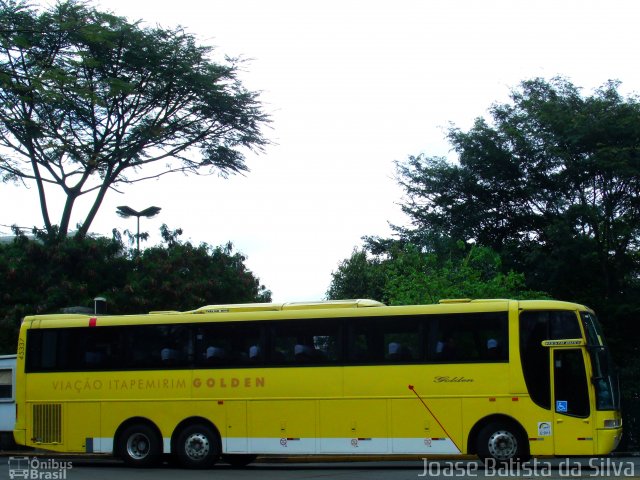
(198, 446)
(140, 446)
(502, 443)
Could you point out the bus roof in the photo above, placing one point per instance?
(522, 304)
(275, 307)
(262, 311)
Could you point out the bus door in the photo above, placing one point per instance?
(573, 419)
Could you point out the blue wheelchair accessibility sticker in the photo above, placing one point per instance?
(561, 406)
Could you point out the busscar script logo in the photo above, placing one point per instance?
(448, 379)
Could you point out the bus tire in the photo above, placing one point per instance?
(139, 445)
(502, 443)
(198, 446)
(239, 460)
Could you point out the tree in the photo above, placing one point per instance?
(39, 276)
(404, 274)
(89, 101)
(552, 183)
(415, 277)
(359, 276)
(181, 276)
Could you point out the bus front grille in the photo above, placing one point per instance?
(47, 423)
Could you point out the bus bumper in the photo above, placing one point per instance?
(608, 439)
(20, 436)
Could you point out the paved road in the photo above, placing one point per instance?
(78, 468)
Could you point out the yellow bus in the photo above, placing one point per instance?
(501, 379)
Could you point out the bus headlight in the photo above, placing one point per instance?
(616, 423)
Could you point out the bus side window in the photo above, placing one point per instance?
(446, 348)
(49, 350)
(558, 324)
(175, 340)
(303, 353)
(364, 344)
(535, 358)
(94, 358)
(98, 348)
(403, 339)
(145, 346)
(169, 356)
(397, 352)
(470, 337)
(215, 354)
(309, 342)
(158, 346)
(564, 324)
(228, 345)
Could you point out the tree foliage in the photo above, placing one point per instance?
(38, 276)
(552, 183)
(90, 101)
(359, 276)
(181, 276)
(403, 274)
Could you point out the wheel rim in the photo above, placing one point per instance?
(503, 445)
(138, 446)
(197, 446)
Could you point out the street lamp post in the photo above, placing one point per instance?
(126, 212)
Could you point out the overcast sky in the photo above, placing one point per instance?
(353, 86)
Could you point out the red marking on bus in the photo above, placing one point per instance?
(514, 399)
(492, 399)
(220, 402)
(412, 388)
(93, 321)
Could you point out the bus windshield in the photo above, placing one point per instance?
(605, 379)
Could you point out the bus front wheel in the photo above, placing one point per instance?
(502, 443)
(198, 446)
(140, 446)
